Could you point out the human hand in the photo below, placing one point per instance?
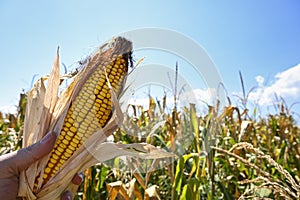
(12, 164)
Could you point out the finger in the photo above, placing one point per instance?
(67, 195)
(26, 156)
(76, 181)
(77, 178)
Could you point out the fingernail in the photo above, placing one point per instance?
(47, 138)
(68, 195)
(81, 175)
(77, 178)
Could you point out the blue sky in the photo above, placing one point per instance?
(259, 38)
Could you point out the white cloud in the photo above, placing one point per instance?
(260, 80)
(286, 85)
(200, 95)
(8, 109)
(194, 96)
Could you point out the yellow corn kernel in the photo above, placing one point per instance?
(72, 148)
(73, 129)
(45, 176)
(66, 142)
(53, 161)
(57, 152)
(67, 124)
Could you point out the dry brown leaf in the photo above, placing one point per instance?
(152, 193)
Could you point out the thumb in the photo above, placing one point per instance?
(27, 156)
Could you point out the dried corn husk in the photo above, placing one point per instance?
(45, 111)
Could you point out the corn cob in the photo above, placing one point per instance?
(91, 108)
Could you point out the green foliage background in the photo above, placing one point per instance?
(232, 170)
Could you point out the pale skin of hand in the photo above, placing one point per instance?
(12, 164)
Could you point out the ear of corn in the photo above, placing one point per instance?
(91, 107)
(84, 115)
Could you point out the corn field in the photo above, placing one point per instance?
(231, 156)
(158, 151)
